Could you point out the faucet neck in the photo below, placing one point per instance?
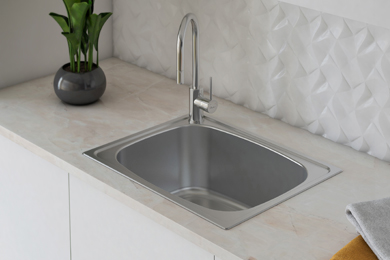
(195, 113)
(195, 50)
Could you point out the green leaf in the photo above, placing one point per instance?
(63, 21)
(93, 28)
(73, 42)
(103, 19)
(95, 24)
(77, 17)
(69, 4)
(92, 4)
(93, 33)
(84, 43)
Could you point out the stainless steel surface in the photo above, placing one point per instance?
(198, 103)
(207, 105)
(218, 172)
(195, 49)
(210, 199)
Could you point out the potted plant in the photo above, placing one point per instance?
(81, 82)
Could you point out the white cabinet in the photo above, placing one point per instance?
(34, 206)
(37, 199)
(104, 229)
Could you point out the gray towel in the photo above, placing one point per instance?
(372, 221)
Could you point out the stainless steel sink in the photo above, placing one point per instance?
(217, 172)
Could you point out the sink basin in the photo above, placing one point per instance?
(216, 171)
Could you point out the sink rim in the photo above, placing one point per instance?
(107, 156)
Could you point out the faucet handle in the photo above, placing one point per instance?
(209, 106)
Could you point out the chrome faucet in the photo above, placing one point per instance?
(198, 103)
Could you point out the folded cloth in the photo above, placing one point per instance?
(357, 249)
(372, 221)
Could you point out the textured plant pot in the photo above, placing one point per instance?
(79, 88)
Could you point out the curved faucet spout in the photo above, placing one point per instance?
(195, 49)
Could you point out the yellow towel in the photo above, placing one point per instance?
(357, 249)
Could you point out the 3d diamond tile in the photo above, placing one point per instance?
(316, 71)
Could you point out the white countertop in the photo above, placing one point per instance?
(311, 225)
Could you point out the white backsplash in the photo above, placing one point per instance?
(316, 71)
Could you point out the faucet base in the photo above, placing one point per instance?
(196, 114)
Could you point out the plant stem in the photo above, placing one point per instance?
(79, 60)
(90, 57)
(85, 62)
(72, 60)
(70, 55)
(97, 59)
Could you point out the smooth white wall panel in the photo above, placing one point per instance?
(103, 228)
(34, 206)
(321, 72)
(31, 43)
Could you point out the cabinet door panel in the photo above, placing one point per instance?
(34, 206)
(103, 228)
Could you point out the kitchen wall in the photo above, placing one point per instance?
(375, 12)
(317, 71)
(31, 44)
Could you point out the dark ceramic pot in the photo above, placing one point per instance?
(79, 88)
